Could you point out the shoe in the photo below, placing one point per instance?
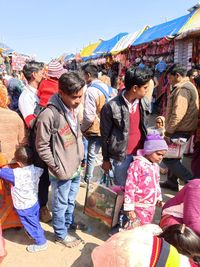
(78, 226)
(69, 241)
(181, 182)
(45, 215)
(83, 184)
(36, 248)
(166, 185)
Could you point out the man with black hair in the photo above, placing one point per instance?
(33, 72)
(64, 170)
(123, 123)
(181, 121)
(28, 106)
(96, 95)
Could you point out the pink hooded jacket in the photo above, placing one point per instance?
(142, 189)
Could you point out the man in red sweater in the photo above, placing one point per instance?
(49, 86)
(123, 123)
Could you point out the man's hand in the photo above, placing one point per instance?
(106, 166)
(131, 214)
(159, 204)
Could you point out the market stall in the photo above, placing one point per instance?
(187, 44)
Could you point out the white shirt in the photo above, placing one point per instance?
(25, 191)
(131, 106)
(72, 116)
(28, 101)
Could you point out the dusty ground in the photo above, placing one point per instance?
(58, 255)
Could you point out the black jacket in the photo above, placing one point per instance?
(114, 126)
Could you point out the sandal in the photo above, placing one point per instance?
(69, 241)
(36, 248)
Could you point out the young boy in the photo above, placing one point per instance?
(64, 170)
(24, 193)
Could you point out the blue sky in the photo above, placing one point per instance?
(49, 28)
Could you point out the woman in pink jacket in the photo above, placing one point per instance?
(142, 190)
(184, 207)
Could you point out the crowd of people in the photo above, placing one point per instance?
(54, 122)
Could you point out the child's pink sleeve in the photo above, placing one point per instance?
(131, 182)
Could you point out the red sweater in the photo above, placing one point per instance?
(46, 89)
(134, 132)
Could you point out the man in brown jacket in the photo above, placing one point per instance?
(181, 121)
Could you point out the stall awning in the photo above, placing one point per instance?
(5, 49)
(88, 50)
(106, 46)
(127, 40)
(193, 24)
(69, 57)
(169, 28)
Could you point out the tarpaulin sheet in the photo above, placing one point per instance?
(69, 57)
(88, 50)
(127, 40)
(106, 46)
(169, 28)
(192, 24)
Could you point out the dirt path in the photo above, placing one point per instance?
(58, 255)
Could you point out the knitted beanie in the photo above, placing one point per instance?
(55, 69)
(154, 142)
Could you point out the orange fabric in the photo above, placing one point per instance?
(3, 252)
(8, 216)
(3, 160)
(3, 96)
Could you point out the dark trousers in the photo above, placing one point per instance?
(196, 160)
(176, 168)
(43, 190)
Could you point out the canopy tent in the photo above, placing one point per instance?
(106, 46)
(88, 50)
(192, 25)
(127, 40)
(169, 28)
(5, 49)
(69, 57)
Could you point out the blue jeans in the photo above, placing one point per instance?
(63, 201)
(85, 144)
(120, 169)
(94, 145)
(176, 168)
